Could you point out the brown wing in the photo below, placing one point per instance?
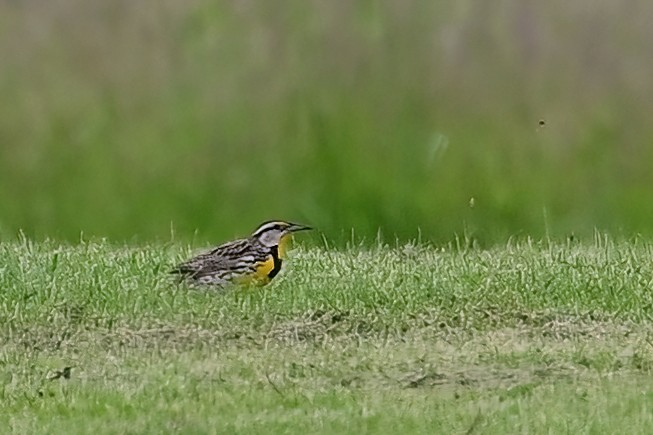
(220, 265)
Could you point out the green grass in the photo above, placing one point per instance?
(538, 337)
(215, 116)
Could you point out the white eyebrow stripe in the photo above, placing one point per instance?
(269, 226)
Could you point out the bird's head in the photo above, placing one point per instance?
(277, 233)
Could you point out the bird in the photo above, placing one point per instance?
(254, 260)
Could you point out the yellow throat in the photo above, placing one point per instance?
(284, 244)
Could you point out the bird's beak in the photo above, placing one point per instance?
(297, 227)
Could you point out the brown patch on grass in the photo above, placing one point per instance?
(312, 325)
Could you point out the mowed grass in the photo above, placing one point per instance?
(538, 337)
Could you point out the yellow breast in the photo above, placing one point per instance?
(263, 269)
(260, 275)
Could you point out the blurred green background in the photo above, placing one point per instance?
(125, 119)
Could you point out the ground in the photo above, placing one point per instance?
(537, 337)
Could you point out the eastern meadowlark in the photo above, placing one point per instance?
(254, 260)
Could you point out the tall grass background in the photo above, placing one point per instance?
(130, 120)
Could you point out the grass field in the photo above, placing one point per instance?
(470, 126)
(537, 337)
